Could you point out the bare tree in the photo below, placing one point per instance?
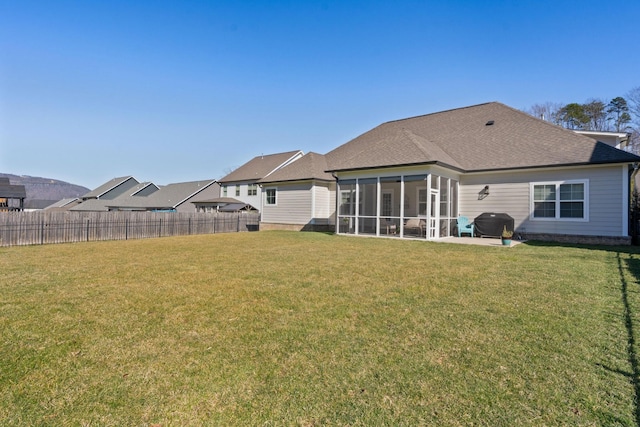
(633, 98)
(596, 111)
(547, 111)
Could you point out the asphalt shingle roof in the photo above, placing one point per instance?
(167, 197)
(259, 167)
(310, 166)
(488, 136)
(109, 185)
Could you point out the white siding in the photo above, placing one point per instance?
(510, 193)
(244, 197)
(325, 203)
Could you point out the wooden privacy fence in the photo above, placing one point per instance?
(40, 227)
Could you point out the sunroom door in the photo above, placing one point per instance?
(434, 215)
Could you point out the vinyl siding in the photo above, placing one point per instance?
(325, 203)
(510, 193)
(293, 204)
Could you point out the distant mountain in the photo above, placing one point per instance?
(42, 192)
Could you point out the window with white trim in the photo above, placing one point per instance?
(237, 190)
(224, 191)
(387, 203)
(252, 190)
(270, 196)
(567, 200)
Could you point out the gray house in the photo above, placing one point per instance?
(412, 178)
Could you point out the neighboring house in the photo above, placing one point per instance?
(112, 189)
(127, 187)
(64, 204)
(242, 183)
(127, 194)
(413, 177)
(620, 140)
(299, 196)
(222, 204)
(173, 197)
(11, 196)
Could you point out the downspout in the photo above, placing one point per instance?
(335, 214)
(261, 205)
(633, 220)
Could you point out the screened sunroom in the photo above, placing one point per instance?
(420, 206)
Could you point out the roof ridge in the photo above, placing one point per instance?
(440, 112)
(413, 138)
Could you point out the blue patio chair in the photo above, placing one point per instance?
(464, 226)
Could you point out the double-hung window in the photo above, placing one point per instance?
(270, 196)
(567, 200)
(252, 190)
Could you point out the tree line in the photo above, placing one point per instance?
(619, 114)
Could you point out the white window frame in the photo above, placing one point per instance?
(238, 190)
(252, 190)
(275, 196)
(425, 203)
(585, 200)
(391, 205)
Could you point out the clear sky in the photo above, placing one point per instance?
(172, 91)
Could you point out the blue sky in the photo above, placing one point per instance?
(171, 91)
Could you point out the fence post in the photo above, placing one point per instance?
(88, 222)
(42, 231)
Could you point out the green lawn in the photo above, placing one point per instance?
(285, 328)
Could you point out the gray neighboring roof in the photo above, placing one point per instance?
(92, 205)
(167, 197)
(311, 166)
(219, 201)
(134, 192)
(10, 191)
(62, 203)
(260, 167)
(236, 207)
(37, 204)
(226, 204)
(463, 139)
(106, 187)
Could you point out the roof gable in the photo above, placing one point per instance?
(261, 166)
(126, 182)
(167, 197)
(310, 166)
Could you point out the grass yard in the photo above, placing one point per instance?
(310, 329)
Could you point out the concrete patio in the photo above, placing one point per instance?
(481, 241)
